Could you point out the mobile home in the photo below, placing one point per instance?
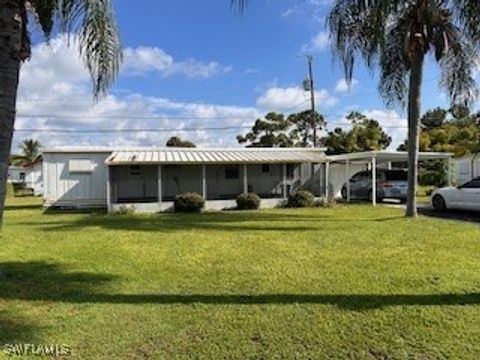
(148, 179)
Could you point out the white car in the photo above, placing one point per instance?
(464, 197)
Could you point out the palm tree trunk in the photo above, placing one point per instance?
(10, 55)
(414, 105)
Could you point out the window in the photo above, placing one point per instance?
(135, 170)
(361, 176)
(290, 171)
(474, 184)
(22, 177)
(232, 172)
(396, 175)
(265, 168)
(80, 165)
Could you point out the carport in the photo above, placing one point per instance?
(372, 160)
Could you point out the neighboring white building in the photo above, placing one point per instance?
(29, 174)
(148, 179)
(466, 168)
(34, 176)
(16, 174)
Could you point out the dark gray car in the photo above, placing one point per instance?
(391, 184)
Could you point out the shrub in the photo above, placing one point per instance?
(189, 202)
(328, 202)
(300, 199)
(124, 211)
(248, 201)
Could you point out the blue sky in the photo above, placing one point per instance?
(193, 64)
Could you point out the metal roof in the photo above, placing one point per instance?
(387, 156)
(216, 156)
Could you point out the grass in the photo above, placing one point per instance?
(350, 282)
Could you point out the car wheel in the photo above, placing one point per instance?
(344, 193)
(438, 203)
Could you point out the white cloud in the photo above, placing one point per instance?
(318, 43)
(55, 82)
(143, 60)
(310, 10)
(342, 85)
(293, 99)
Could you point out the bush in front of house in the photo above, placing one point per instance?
(302, 198)
(189, 202)
(248, 201)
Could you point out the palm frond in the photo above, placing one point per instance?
(93, 22)
(467, 13)
(357, 30)
(45, 14)
(457, 67)
(239, 5)
(394, 70)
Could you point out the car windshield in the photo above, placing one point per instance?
(396, 175)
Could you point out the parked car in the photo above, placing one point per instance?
(391, 184)
(464, 197)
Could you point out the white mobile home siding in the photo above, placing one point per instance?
(65, 188)
(34, 178)
(14, 174)
(466, 168)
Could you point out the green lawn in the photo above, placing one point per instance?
(351, 282)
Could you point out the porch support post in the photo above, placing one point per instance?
(327, 178)
(159, 185)
(374, 181)
(284, 182)
(245, 179)
(347, 176)
(204, 181)
(109, 191)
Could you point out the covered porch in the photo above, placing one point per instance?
(148, 181)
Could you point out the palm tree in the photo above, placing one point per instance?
(93, 25)
(396, 36)
(30, 151)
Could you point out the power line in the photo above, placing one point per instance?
(86, 131)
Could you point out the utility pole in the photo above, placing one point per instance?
(312, 97)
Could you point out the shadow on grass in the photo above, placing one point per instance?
(31, 281)
(15, 330)
(459, 215)
(284, 221)
(23, 207)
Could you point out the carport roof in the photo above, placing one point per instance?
(216, 156)
(387, 156)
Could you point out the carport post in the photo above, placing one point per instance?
(204, 181)
(245, 179)
(327, 178)
(449, 169)
(347, 178)
(159, 186)
(374, 181)
(284, 183)
(109, 191)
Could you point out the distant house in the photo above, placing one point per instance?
(28, 174)
(148, 179)
(16, 174)
(466, 168)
